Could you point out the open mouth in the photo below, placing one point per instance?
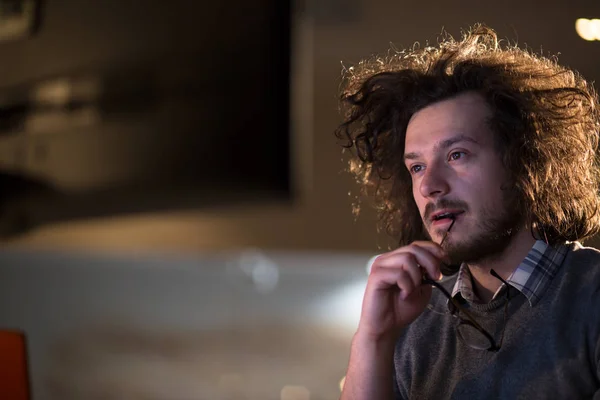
(447, 216)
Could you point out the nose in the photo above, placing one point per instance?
(434, 183)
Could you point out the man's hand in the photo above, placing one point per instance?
(395, 296)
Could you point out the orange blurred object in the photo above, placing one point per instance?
(14, 381)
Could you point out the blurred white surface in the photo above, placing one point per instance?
(239, 325)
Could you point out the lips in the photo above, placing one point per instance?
(447, 214)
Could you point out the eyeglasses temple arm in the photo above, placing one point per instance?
(460, 308)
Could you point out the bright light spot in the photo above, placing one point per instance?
(265, 277)
(588, 29)
(54, 92)
(295, 393)
(263, 272)
(342, 381)
(342, 306)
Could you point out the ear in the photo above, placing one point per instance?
(538, 232)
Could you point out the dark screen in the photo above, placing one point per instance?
(121, 107)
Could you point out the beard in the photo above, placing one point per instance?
(490, 237)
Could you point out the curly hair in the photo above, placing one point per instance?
(545, 121)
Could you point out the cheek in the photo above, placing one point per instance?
(490, 194)
(419, 201)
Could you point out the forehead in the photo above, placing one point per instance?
(466, 114)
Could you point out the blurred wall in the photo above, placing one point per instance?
(224, 326)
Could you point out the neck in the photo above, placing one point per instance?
(485, 284)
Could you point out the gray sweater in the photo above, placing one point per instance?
(551, 350)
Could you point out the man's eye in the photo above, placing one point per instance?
(457, 155)
(415, 168)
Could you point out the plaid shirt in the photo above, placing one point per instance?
(531, 277)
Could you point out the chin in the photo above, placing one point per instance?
(477, 249)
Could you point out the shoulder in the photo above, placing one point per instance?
(580, 273)
(583, 259)
(581, 287)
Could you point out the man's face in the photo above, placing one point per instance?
(456, 169)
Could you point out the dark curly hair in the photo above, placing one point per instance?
(545, 118)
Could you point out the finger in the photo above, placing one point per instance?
(383, 278)
(434, 248)
(415, 274)
(413, 255)
(406, 284)
(397, 263)
(408, 266)
(431, 263)
(423, 292)
(398, 260)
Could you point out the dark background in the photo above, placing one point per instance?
(318, 200)
(190, 109)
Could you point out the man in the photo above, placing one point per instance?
(482, 161)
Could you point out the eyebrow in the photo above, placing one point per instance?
(444, 144)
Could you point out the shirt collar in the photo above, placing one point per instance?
(531, 277)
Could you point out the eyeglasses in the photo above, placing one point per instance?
(481, 339)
